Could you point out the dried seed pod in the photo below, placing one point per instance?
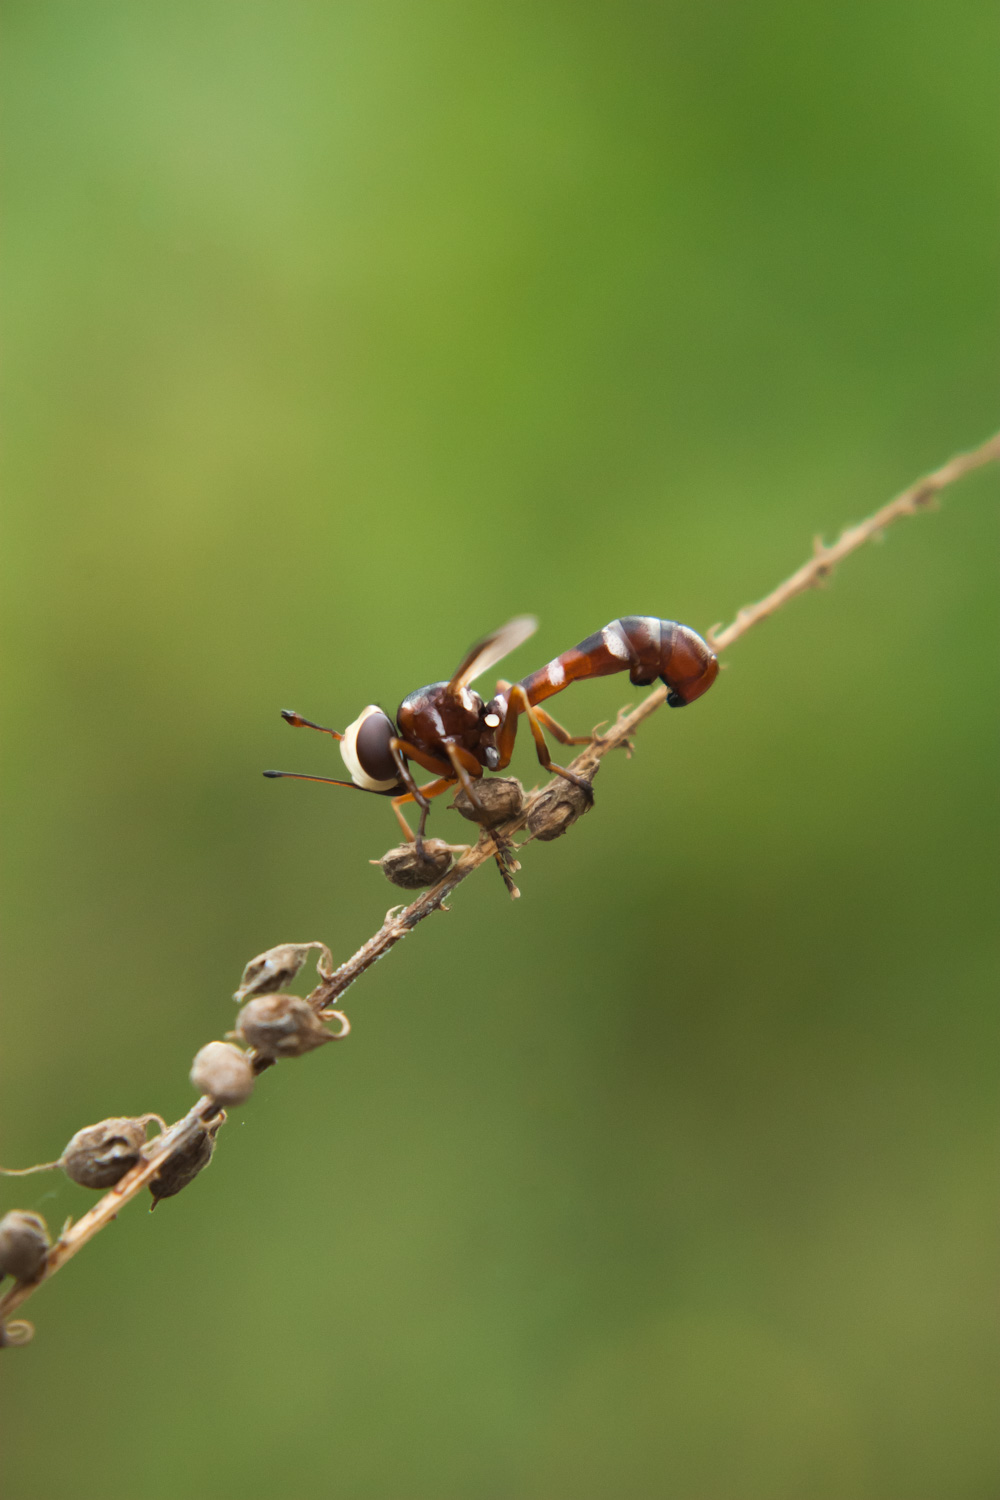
(276, 968)
(24, 1245)
(224, 1072)
(185, 1164)
(282, 1026)
(99, 1155)
(405, 867)
(502, 797)
(558, 809)
(16, 1333)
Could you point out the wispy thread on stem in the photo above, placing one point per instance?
(400, 921)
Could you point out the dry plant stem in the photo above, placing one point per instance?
(76, 1236)
(919, 496)
(400, 921)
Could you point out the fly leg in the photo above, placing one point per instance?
(402, 751)
(519, 700)
(562, 735)
(431, 789)
(506, 736)
(465, 766)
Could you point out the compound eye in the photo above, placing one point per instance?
(367, 753)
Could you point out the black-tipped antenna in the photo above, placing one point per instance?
(298, 722)
(328, 780)
(392, 791)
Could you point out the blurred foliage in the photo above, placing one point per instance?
(337, 334)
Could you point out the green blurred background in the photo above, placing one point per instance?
(337, 334)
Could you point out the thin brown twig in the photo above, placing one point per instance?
(401, 921)
(74, 1237)
(918, 497)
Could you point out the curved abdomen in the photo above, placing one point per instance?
(646, 648)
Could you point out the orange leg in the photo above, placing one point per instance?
(507, 735)
(562, 735)
(519, 699)
(435, 764)
(508, 730)
(466, 766)
(469, 771)
(432, 789)
(402, 751)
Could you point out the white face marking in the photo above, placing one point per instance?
(555, 674)
(492, 721)
(349, 754)
(614, 643)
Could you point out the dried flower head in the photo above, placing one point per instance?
(185, 1164)
(558, 809)
(276, 969)
(224, 1072)
(501, 797)
(282, 1026)
(404, 866)
(24, 1245)
(99, 1155)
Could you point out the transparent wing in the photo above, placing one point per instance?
(486, 653)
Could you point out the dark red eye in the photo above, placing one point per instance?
(372, 746)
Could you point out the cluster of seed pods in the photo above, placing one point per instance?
(501, 798)
(272, 1024)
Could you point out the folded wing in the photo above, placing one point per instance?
(487, 652)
